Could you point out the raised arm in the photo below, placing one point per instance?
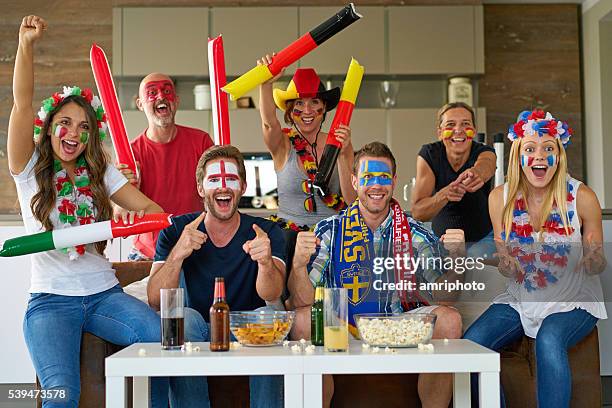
(20, 144)
(270, 126)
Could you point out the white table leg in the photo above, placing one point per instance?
(461, 390)
(489, 389)
(115, 392)
(313, 390)
(294, 390)
(140, 392)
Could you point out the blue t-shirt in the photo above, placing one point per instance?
(230, 262)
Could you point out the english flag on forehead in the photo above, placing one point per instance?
(222, 174)
(108, 95)
(220, 109)
(82, 235)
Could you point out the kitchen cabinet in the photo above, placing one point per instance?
(364, 40)
(136, 121)
(436, 40)
(409, 129)
(171, 40)
(251, 32)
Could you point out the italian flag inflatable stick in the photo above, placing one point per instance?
(82, 235)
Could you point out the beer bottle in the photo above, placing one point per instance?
(219, 319)
(316, 318)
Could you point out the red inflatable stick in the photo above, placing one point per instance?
(344, 111)
(220, 107)
(116, 126)
(147, 223)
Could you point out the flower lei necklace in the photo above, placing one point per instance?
(333, 201)
(74, 202)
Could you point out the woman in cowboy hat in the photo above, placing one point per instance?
(297, 150)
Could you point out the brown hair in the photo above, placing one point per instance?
(455, 105)
(44, 201)
(374, 149)
(220, 152)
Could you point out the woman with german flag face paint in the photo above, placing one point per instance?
(297, 150)
(453, 180)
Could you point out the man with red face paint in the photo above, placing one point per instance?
(164, 153)
(453, 180)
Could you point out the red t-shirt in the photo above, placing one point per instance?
(167, 175)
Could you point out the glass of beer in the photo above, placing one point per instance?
(335, 311)
(172, 318)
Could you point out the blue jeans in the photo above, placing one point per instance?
(266, 391)
(53, 326)
(500, 325)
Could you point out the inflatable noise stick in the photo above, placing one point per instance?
(108, 95)
(293, 52)
(343, 114)
(83, 234)
(220, 108)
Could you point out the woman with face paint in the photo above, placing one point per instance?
(64, 179)
(549, 234)
(453, 180)
(297, 150)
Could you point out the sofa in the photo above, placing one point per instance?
(396, 390)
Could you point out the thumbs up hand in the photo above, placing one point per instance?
(259, 248)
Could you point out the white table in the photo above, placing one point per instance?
(303, 372)
(159, 363)
(460, 357)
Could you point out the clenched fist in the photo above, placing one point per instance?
(305, 246)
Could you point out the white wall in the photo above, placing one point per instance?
(599, 171)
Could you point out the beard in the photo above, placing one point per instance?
(375, 209)
(209, 205)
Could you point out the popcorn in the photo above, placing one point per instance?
(196, 349)
(365, 346)
(296, 348)
(142, 352)
(426, 347)
(235, 345)
(395, 332)
(445, 341)
(302, 341)
(310, 349)
(387, 350)
(188, 347)
(375, 350)
(286, 343)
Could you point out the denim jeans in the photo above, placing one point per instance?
(500, 325)
(53, 326)
(266, 391)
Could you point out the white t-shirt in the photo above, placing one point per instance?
(53, 271)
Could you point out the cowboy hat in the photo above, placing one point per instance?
(306, 84)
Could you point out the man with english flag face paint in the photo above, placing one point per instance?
(248, 252)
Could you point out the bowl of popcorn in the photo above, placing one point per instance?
(261, 328)
(395, 330)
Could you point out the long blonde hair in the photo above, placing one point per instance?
(517, 184)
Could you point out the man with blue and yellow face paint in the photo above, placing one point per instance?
(343, 251)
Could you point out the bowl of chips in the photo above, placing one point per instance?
(395, 330)
(261, 328)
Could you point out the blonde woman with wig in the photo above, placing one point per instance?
(549, 235)
(64, 179)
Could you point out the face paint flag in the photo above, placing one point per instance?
(60, 131)
(374, 172)
(156, 90)
(526, 161)
(222, 174)
(551, 159)
(82, 235)
(293, 52)
(108, 95)
(343, 115)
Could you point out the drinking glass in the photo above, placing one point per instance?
(172, 318)
(335, 319)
